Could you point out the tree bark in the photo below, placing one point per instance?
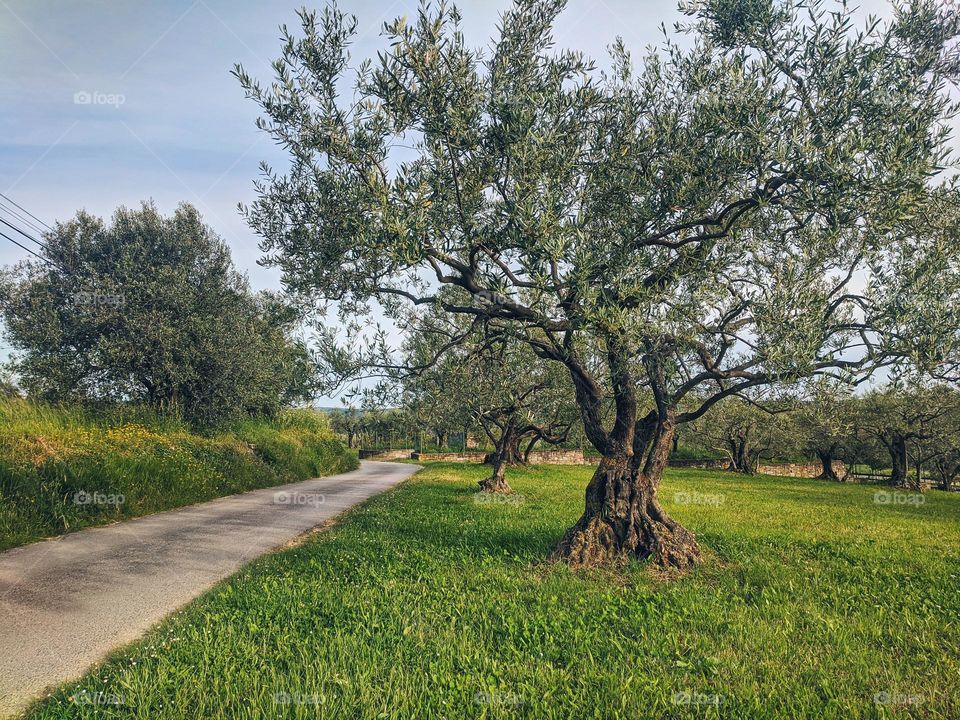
(739, 451)
(623, 518)
(899, 476)
(497, 483)
(826, 461)
(529, 449)
(507, 448)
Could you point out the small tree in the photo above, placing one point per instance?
(151, 309)
(500, 383)
(744, 429)
(742, 213)
(825, 423)
(899, 418)
(939, 447)
(350, 423)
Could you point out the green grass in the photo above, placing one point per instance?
(424, 603)
(131, 462)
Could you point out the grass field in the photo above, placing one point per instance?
(63, 469)
(817, 601)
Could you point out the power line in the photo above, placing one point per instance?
(48, 261)
(45, 248)
(28, 237)
(26, 211)
(32, 226)
(26, 221)
(2, 234)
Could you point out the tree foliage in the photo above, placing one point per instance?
(150, 309)
(723, 217)
(489, 380)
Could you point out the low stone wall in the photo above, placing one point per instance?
(537, 457)
(701, 464)
(465, 457)
(561, 457)
(798, 470)
(400, 454)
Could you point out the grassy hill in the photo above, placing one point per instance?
(66, 468)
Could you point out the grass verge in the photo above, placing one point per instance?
(817, 601)
(62, 469)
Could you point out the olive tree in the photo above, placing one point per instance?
(902, 419)
(825, 423)
(745, 210)
(499, 382)
(150, 309)
(744, 429)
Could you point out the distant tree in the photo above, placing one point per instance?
(744, 429)
(825, 423)
(350, 423)
(749, 210)
(938, 448)
(900, 417)
(498, 383)
(150, 309)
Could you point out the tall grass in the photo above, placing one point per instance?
(64, 468)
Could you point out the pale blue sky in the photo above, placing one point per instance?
(184, 130)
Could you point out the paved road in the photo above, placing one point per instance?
(65, 603)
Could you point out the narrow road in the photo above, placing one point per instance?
(65, 603)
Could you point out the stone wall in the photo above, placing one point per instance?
(400, 454)
(465, 457)
(701, 464)
(537, 457)
(561, 457)
(799, 470)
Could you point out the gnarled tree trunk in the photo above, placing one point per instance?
(826, 462)
(623, 517)
(899, 476)
(506, 453)
(739, 450)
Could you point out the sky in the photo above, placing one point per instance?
(166, 121)
(107, 103)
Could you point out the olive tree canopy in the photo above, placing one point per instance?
(755, 207)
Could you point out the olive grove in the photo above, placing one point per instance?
(758, 204)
